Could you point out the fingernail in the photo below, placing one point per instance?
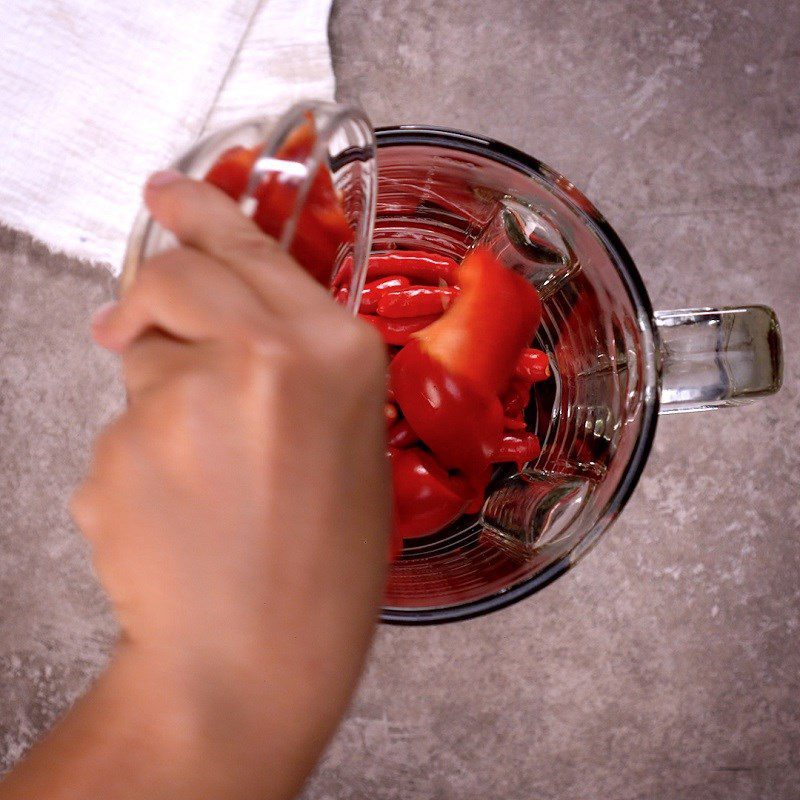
(102, 313)
(162, 178)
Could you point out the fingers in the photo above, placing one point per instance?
(188, 296)
(203, 217)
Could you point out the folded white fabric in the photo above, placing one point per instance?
(95, 95)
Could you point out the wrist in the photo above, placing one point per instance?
(212, 724)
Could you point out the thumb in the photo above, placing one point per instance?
(205, 218)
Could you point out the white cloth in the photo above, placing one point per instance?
(96, 94)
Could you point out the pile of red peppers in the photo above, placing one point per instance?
(461, 370)
(322, 227)
(460, 377)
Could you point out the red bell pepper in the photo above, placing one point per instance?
(322, 227)
(448, 379)
(397, 331)
(416, 302)
(426, 497)
(231, 172)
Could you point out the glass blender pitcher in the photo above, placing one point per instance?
(616, 365)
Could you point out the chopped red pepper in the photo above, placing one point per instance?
(416, 302)
(459, 421)
(231, 171)
(447, 380)
(483, 332)
(519, 448)
(322, 227)
(533, 365)
(426, 497)
(461, 372)
(397, 331)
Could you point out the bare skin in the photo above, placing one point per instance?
(238, 512)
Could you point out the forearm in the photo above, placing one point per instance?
(146, 731)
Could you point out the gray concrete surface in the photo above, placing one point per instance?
(666, 664)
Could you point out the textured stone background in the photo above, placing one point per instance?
(666, 664)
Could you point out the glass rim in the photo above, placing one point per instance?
(426, 135)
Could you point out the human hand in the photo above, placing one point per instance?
(239, 508)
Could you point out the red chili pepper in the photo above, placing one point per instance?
(417, 265)
(416, 302)
(514, 424)
(516, 397)
(401, 434)
(375, 290)
(447, 380)
(533, 365)
(426, 497)
(397, 331)
(519, 448)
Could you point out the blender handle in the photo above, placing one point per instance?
(717, 357)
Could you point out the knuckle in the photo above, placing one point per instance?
(269, 362)
(358, 349)
(116, 455)
(255, 349)
(344, 361)
(370, 347)
(258, 342)
(247, 365)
